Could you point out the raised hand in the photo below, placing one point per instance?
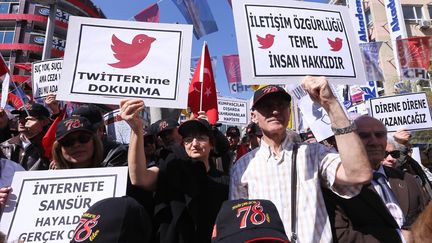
(319, 90)
(130, 110)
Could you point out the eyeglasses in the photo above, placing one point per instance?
(200, 139)
(395, 154)
(82, 139)
(368, 135)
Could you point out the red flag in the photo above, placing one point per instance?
(25, 66)
(414, 52)
(150, 14)
(14, 101)
(232, 68)
(3, 66)
(49, 137)
(203, 75)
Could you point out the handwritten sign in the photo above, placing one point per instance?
(409, 111)
(45, 77)
(280, 41)
(46, 206)
(109, 60)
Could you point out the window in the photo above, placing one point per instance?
(4, 7)
(6, 36)
(412, 12)
(14, 8)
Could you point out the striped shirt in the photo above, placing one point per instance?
(259, 175)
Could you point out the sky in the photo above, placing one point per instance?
(222, 42)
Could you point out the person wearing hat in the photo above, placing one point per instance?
(290, 174)
(248, 220)
(189, 190)
(26, 148)
(114, 153)
(76, 145)
(254, 134)
(167, 131)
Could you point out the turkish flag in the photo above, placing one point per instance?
(49, 137)
(150, 14)
(203, 75)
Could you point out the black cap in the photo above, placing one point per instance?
(35, 109)
(73, 124)
(233, 131)
(233, 224)
(117, 219)
(192, 126)
(90, 112)
(163, 125)
(268, 90)
(253, 128)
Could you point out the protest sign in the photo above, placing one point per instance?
(280, 41)
(46, 206)
(312, 113)
(45, 77)
(233, 111)
(409, 111)
(109, 60)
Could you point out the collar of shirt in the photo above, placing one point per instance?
(266, 152)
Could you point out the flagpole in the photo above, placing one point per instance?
(201, 78)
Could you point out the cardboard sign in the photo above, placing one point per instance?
(46, 206)
(409, 111)
(45, 77)
(280, 41)
(233, 111)
(109, 60)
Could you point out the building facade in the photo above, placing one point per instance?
(22, 30)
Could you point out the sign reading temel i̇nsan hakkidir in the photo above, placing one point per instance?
(109, 60)
(280, 41)
(45, 77)
(409, 111)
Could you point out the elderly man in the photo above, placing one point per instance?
(291, 175)
(385, 209)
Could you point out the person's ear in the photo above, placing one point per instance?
(254, 116)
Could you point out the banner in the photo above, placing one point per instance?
(109, 60)
(409, 111)
(233, 111)
(45, 77)
(356, 10)
(232, 71)
(198, 14)
(414, 52)
(279, 42)
(370, 54)
(46, 206)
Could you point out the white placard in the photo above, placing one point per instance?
(280, 41)
(314, 115)
(109, 60)
(46, 206)
(45, 77)
(116, 127)
(409, 111)
(233, 111)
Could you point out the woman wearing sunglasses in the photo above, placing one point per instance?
(76, 145)
(189, 190)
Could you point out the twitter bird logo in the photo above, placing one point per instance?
(266, 42)
(130, 55)
(336, 44)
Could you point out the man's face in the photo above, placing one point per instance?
(272, 115)
(374, 137)
(31, 126)
(233, 140)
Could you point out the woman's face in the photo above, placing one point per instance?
(78, 148)
(197, 146)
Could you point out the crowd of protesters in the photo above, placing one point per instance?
(190, 182)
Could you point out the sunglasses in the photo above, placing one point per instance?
(395, 154)
(201, 139)
(82, 139)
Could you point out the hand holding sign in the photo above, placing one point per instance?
(130, 110)
(402, 136)
(4, 193)
(319, 90)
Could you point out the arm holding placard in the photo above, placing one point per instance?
(139, 174)
(355, 168)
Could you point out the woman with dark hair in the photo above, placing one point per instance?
(189, 190)
(76, 145)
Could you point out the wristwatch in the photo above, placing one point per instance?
(344, 130)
